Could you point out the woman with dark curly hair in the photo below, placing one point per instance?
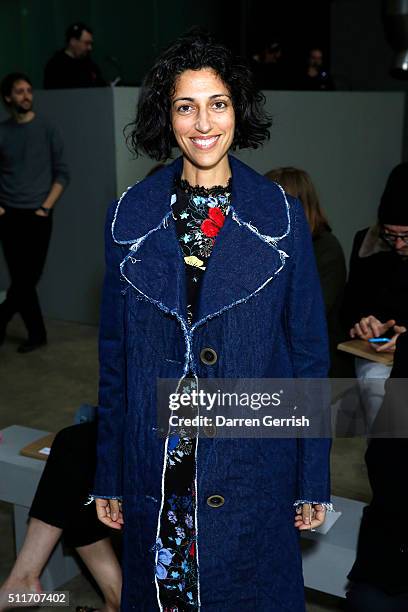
(209, 274)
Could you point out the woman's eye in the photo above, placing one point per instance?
(185, 108)
(220, 105)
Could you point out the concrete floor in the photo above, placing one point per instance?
(44, 389)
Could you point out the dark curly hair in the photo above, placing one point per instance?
(151, 131)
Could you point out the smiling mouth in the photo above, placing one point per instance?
(205, 143)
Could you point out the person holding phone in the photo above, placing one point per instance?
(376, 295)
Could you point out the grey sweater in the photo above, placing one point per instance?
(31, 160)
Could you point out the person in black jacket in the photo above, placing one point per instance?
(73, 67)
(380, 573)
(376, 296)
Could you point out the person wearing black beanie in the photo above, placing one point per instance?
(393, 207)
(376, 295)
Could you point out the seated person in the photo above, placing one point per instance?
(329, 255)
(380, 573)
(376, 296)
(59, 507)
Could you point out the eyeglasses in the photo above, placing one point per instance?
(392, 238)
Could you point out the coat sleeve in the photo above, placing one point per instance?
(112, 365)
(310, 357)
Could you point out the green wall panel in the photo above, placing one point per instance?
(128, 35)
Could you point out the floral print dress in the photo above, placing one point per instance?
(199, 214)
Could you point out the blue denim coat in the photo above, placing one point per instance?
(261, 310)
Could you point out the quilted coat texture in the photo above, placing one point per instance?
(261, 310)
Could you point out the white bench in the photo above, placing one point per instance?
(327, 559)
(19, 477)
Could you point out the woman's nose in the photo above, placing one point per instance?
(203, 121)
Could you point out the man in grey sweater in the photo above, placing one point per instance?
(33, 175)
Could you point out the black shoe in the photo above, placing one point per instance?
(30, 345)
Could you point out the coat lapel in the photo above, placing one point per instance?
(246, 255)
(155, 268)
(240, 265)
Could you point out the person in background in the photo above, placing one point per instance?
(59, 509)
(316, 76)
(269, 67)
(376, 295)
(33, 175)
(329, 254)
(379, 575)
(73, 67)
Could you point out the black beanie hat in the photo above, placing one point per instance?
(393, 209)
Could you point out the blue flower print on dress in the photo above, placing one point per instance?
(183, 448)
(179, 539)
(171, 516)
(164, 558)
(189, 521)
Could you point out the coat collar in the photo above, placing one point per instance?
(144, 205)
(373, 243)
(245, 256)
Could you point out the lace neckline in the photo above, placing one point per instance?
(199, 190)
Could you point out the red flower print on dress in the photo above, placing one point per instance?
(192, 550)
(211, 226)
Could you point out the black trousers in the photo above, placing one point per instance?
(65, 484)
(25, 238)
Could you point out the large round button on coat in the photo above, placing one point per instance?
(210, 431)
(215, 501)
(208, 356)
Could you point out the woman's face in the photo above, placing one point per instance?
(202, 117)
